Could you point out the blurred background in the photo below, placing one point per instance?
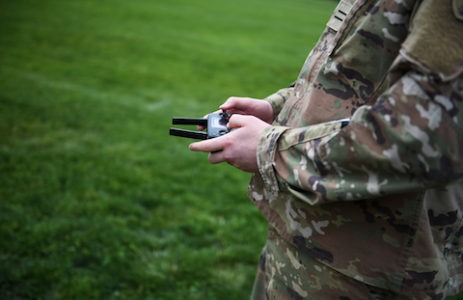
(97, 201)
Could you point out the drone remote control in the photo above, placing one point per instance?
(216, 125)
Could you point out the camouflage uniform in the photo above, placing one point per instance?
(372, 210)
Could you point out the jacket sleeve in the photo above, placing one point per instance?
(409, 140)
(278, 99)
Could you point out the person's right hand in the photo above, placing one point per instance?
(247, 106)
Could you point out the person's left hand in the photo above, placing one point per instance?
(238, 148)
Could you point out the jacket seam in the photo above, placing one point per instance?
(405, 254)
(355, 15)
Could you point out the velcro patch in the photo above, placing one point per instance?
(458, 9)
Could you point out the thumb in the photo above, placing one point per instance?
(229, 104)
(237, 121)
(233, 103)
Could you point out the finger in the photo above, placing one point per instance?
(200, 127)
(216, 157)
(207, 146)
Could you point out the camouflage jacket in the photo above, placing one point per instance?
(378, 200)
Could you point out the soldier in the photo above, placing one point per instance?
(371, 210)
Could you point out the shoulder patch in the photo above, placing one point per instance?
(339, 14)
(458, 9)
(436, 37)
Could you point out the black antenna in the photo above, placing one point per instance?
(188, 134)
(189, 121)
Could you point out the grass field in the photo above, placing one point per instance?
(96, 200)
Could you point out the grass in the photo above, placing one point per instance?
(96, 200)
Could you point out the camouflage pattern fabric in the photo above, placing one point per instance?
(372, 210)
(289, 274)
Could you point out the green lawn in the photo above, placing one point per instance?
(97, 201)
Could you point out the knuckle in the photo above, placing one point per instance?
(229, 157)
(227, 143)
